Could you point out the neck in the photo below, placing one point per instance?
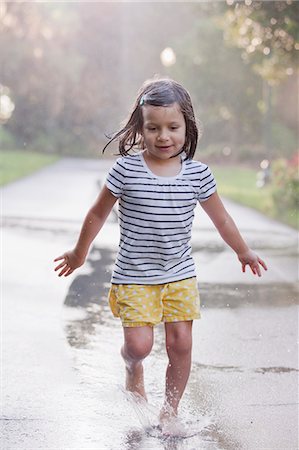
(168, 167)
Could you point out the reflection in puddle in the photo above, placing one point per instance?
(95, 338)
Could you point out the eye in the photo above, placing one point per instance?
(151, 128)
(174, 128)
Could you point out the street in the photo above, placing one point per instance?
(62, 374)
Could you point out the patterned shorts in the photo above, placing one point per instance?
(139, 305)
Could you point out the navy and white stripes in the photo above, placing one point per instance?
(155, 217)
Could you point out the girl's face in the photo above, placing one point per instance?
(164, 130)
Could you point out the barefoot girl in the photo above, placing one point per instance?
(158, 186)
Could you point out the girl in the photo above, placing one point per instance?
(154, 276)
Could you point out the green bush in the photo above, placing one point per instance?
(7, 140)
(285, 183)
(284, 140)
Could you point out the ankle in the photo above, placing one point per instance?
(167, 413)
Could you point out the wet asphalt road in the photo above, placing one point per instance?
(62, 375)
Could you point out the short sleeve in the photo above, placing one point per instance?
(115, 180)
(207, 183)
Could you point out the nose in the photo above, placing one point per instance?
(163, 136)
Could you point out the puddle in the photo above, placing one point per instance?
(242, 295)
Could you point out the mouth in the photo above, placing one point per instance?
(165, 147)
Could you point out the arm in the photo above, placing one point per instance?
(231, 235)
(92, 224)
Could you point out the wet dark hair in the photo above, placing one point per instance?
(157, 92)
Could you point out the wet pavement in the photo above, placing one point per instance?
(62, 376)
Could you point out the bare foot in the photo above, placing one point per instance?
(167, 413)
(170, 424)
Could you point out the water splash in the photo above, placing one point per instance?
(146, 412)
(175, 429)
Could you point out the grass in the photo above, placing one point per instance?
(16, 164)
(239, 184)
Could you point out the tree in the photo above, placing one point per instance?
(267, 32)
(225, 92)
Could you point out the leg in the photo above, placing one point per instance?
(138, 342)
(178, 346)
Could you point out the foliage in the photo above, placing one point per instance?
(225, 93)
(284, 139)
(7, 140)
(285, 181)
(72, 70)
(267, 32)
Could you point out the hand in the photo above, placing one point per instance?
(70, 262)
(254, 262)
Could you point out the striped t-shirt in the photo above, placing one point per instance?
(155, 218)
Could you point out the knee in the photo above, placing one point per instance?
(137, 350)
(179, 343)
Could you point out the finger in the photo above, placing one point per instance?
(69, 272)
(263, 264)
(243, 268)
(253, 270)
(64, 270)
(258, 270)
(60, 266)
(59, 258)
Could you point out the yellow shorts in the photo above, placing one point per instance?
(139, 305)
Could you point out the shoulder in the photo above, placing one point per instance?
(202, 179)
(129, 160)
(197, 167)
(127, 166)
